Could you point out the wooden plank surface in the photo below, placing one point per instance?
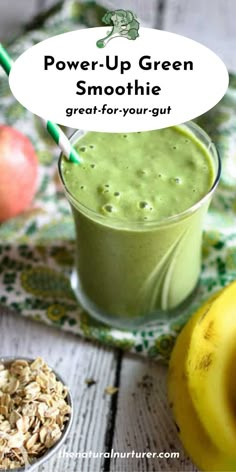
(211, 22)
(143, 422)
(137, 418)
(76, 360)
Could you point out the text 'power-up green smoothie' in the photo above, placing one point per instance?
(138, 242)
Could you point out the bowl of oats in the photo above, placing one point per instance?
(35, 413)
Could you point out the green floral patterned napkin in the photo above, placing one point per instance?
(37, 248)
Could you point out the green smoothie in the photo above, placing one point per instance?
(138, 244)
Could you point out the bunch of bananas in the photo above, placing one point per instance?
(202, 383)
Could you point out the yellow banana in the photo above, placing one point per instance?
(194, 437)
(210, 370)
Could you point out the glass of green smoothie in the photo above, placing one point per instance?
(139, 201)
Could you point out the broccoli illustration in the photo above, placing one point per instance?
(124, 25)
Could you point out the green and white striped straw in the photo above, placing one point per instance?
(61, 139)
(53, 129)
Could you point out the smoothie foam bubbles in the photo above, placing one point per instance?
(138, 201)
(140, 176)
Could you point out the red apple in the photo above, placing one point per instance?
(18, 172)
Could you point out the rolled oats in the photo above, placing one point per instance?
(33, 411)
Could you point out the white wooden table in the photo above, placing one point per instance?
(137, 418)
